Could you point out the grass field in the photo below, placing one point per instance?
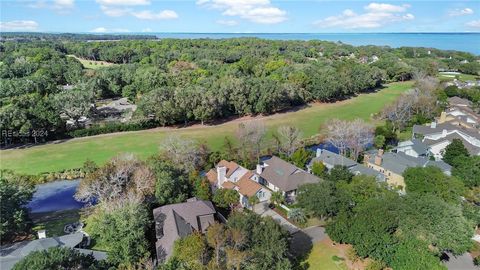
(461, 77)
(322, 258)
(72, 153)
(90, 64)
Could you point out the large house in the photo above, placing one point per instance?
(413, 148)
(438, 136)
(11, 254)
(331, 159)
(174, 221)
(230, 175)
(392, 165)
(279, 175)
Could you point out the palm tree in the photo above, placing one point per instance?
(297, 215)
(252, 201)
(277, 197)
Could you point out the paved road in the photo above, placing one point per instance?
(462, 262)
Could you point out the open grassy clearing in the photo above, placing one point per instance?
(55, 222)
(324, 256)
(70, 154)
(461, 77)
(91, 64)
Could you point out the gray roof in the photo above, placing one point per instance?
(472, 149)
(416, 144)
(286, 176)
(333, 159)
(11, 254)
(459, 101)
(354, 167)
(399, 162)
(426, 130)
(177, 220)
(360, 169)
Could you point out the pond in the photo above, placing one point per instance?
(55, 196)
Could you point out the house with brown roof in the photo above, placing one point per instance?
(279, 175)
(230, 175)
(174, 221)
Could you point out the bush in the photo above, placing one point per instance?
(112, 127)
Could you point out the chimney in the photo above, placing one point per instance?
(378, 157)
(443, 118)
(319, 152)
(259, 169)
(433, 124)
(366, 158)
(42, 234)
(378, 160)
(221, 173)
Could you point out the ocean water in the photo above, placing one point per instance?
(467, 42)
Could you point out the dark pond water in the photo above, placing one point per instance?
(55, 196)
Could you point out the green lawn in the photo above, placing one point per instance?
(55, 222)
(72, 153)
(462, 77)
(322, 258)
(90, 64)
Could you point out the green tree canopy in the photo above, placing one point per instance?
(431, 180)
(15, 193)
(57, 258)
(453, 150)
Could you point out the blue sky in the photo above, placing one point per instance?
(239, 16)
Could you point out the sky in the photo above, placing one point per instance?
(238, 16)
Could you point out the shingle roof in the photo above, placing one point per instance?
(459, 101)
(286, 176)
(472, 149)
(399, 162)
(11, 255)
(247, 186)
(333, 159)
(231, 168)
(176, 220)
(426, 130)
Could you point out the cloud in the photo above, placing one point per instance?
(119, 8)
(227, 22)
(257, 11)
(60, 6)
(124, 2)
(473, 24)
(376, 15)
(378, 7)
(107, 30)
(149, 15)
(460, 12)
(146, 30)
(115, 12)
(19, 25)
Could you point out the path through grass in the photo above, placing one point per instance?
(72, 153)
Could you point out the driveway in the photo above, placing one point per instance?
(461, 262)
(263, 210)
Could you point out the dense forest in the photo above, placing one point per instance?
(174, 81)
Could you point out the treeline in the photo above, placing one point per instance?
(26, 37)
(177, 81)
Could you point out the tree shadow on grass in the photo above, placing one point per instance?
(301, 245)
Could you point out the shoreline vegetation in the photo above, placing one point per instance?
(53, 159)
